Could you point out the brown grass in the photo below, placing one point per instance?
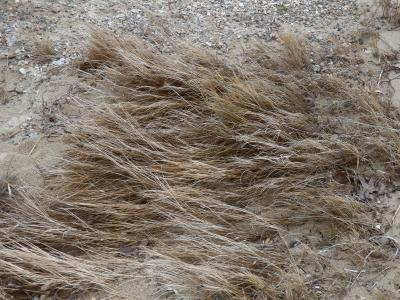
(44, 50)
(191, 173)
(296, 53)
(390, 10)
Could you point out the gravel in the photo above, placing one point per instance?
(220, 24)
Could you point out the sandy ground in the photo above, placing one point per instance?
(36, 96)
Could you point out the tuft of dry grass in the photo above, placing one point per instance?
(296, 52)
(44, 50)
(390, 10)
(193, 170)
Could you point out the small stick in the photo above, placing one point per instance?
(9, 190)
(8, 56)
(395, 214)
(34, 147)
(379, 80)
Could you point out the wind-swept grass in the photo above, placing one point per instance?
(192, 169)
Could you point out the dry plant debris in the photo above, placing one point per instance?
(390, 10)
(191, 172)
(44, 50)
(3, 96)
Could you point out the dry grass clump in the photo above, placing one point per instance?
(193, 171)
(390, 10)
(44, 50)
(296, 53)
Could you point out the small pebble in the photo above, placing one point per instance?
(23, 71)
